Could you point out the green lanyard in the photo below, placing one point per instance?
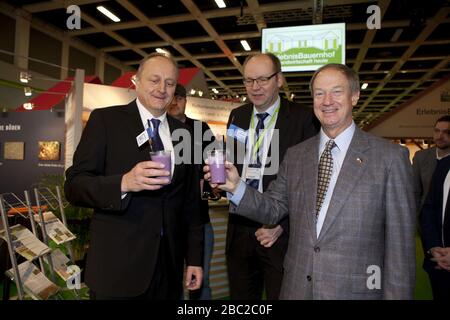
(261, 136)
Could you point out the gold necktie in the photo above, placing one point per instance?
(325, 171)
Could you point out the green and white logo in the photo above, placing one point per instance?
(306, 48)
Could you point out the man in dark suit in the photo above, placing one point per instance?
(424, 161)
(146, 219)
(435, 226)
(202, 136)
(255, 252)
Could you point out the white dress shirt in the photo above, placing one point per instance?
(444, 200)
(338, 152)
(164, 131)
(264, 148)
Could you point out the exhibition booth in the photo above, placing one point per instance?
(37, 147)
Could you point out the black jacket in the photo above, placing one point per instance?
(125, 234)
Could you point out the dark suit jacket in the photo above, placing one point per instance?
(125, 234)
(424, 163)
(295, 123)
(200, 141)
(435, 232)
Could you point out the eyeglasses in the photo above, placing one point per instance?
(261, 81)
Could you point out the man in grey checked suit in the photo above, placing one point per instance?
(424, 161)
(359, 242)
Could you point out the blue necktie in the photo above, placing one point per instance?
(254, 183)
(157, 144)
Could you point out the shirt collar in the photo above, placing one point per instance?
(270, 110)
(342, 140)
(440, 158)
(147, 115)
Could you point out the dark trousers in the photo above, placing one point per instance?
(163, 285)
(252, 268)
(440, 284)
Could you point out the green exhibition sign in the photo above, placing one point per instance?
(306, 48)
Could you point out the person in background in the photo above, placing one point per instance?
(424, 161)
(146, 223)
(435, 227)
(350, 202)
(254, 251)
(177, 110)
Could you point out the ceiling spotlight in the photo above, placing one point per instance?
(221, 4)
(192, 92)
(244, 98)
(245, 45)
(27, 91)
(200, 93)
(292, 95)
(215, 90)
(108, 13)
(28, 106)
(24, 77)
(364, 86)
(163, 51)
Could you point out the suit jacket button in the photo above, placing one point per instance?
(308, 278)
(316, 249)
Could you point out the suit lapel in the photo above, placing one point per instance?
(241, 119)
(133, 124)
(308, 177)
(281, 125)
(430, 162)
(353, 167)
(173, 125)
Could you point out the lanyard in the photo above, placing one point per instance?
(261, 136)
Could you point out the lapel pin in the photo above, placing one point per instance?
(359, 160)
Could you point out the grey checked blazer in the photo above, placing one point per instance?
(370, 222)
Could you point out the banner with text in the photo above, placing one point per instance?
(416, 118)
(306, 48)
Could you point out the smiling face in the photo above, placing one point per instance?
(155, 84)
(333, 101)
(264, 95)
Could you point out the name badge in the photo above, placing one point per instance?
(142, 138)
(253, 173)
(237, 133)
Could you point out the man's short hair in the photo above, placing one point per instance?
(443, 119)
(275, 61)
(349, 73)
(153, 55)
(180, 91)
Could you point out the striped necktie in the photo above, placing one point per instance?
(157, 144)
(254, 183)
(325, 171)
